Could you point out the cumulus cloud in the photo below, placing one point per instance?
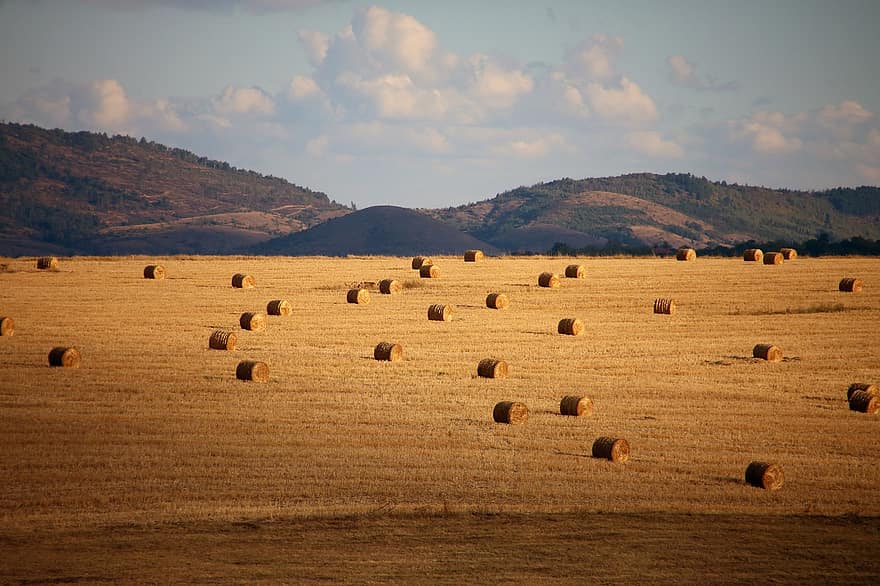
(626, 104)
(396, 38)
(650, 142)
(236, 100)
(315, 45)
(595, 59)
(683, 72)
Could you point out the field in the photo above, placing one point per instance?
(152, 463)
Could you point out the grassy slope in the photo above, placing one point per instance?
(685, 209)
(66, 186)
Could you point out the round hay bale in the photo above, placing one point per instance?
(252, 370)
(686, 254)
(512, 412)
(66, 357)
(765, 475)
(7, 326)
(611, 448)
(850, 285)
(497, 301)
(358, 296)
(473, 255)
(864, 402)
(576, 406)
(252, 320)
(439, 312)
(550, 280)
(570, 326)
(753, 255)
(865, 387)
(390, 286)
(388, 351)
(242, 281)
(768, 352)
(278, 307)
(575, 272)
(154, 272)
(47, 262)
(428, 271)
(773, 258)
(492, 368)
(221, 340)
(418, 261)
(788, 253)
(664, 306)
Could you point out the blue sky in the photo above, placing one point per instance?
(429, 104)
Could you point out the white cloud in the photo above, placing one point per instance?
(237, 100)
(530, 149)
(770, 133)
(301, 87)
(626, 105)
(595, 59)
(683, 72)
(397, 38)
(650, 142)
(315, 45)
(102, 104)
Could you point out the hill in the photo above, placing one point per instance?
(676, 209)
(376, 230)
(81, 192)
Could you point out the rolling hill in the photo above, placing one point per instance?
(376, 230)
(87, 193)
(676, 209)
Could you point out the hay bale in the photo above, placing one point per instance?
(252, 320)
(390, 286)
(765, 475)
(865, 387)
(429, 271)
(664, 306)
(768, 352)
(850, 285)
(388, 351)
(242, 281)
(278, 307)
(497, 301)
(492, 368)
(512, 412)
(773, 258)
(64, 356)
(753, 255)
(576, 406)
(550, 280)
(358, 296)
(221, 340)
(570, 326)
(7, 326)
(864, 402)
(611, 448)
(686, 254)
(788, 253)
(252, 370)
(575, 272)
(418, 261)
(473, 255)
(154, 272)
(47, 262)
(439, 312)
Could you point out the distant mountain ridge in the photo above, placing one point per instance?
(87, 193)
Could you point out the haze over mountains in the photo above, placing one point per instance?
(86, 193)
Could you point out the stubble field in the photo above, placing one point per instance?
(151, 462)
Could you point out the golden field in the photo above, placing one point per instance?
(154, 436)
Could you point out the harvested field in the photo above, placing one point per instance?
(153, 443)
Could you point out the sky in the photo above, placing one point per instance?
(433, 104)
